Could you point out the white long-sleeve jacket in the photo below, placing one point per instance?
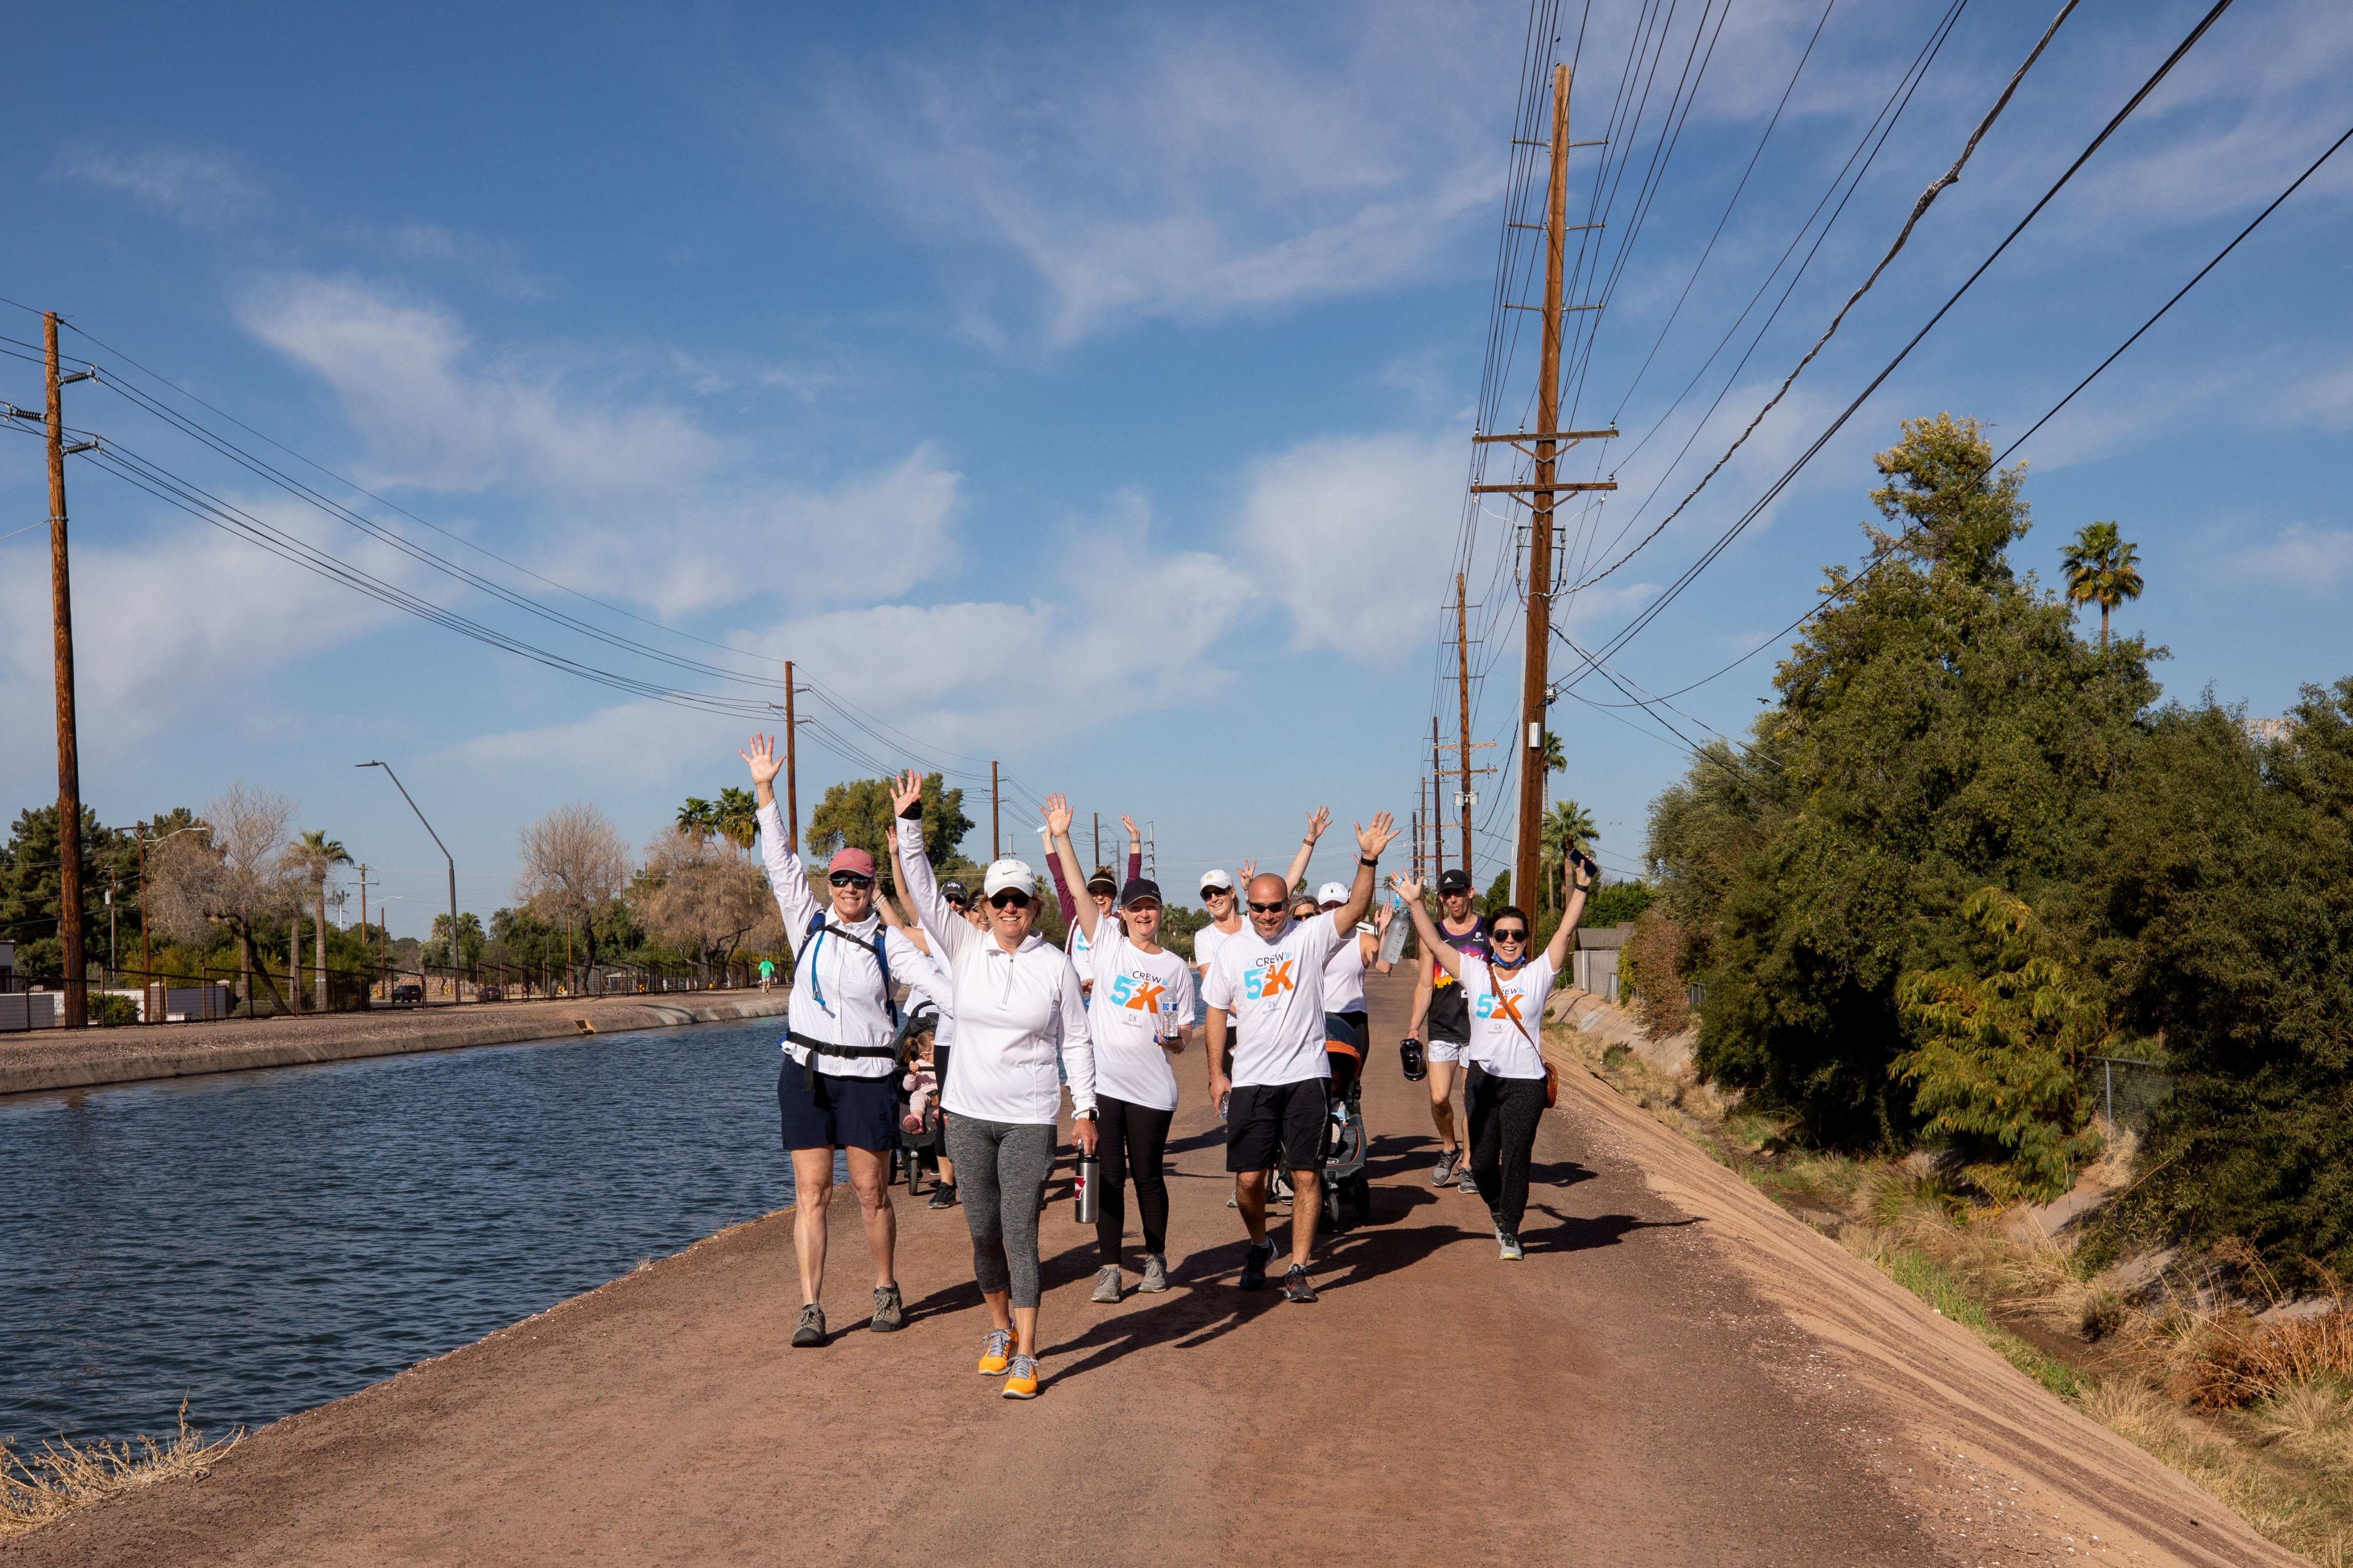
(1016, 1014)
(837, 993)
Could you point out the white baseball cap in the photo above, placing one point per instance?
(1013, 874)
(1217, 880)
(1331, 893)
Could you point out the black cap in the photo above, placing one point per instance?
(955, 890)
(1140, 888)
(1454, 880)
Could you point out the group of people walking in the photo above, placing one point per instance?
(1107, 1018)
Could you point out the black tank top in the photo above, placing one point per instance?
(1450, 1013)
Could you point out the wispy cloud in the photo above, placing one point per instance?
(200, 186)
(2307, 557)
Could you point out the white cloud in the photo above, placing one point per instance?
(2304, 556)
(200, 186)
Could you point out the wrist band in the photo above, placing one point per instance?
(1374, 861)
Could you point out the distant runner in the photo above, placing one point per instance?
(1442, 1018)
(1271, 977)
(1504, 1094)
(767, 974)
(837, 1086)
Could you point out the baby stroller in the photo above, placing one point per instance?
(916, 1151)
(1345, 1138)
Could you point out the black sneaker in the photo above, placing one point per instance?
(889, 1316)
(943, 1197)
(1295, 1287)
(811, 1331)
(1254, 1262)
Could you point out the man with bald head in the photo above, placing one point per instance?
(1268, 980)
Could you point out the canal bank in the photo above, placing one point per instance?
(1678, 1371)
(61, 1058)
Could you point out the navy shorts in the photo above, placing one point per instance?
(837, 1113)
(1271, 1125)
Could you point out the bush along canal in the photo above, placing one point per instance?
(260, 1242)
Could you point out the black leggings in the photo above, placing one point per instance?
(1504, 1116)
(1130, 1138)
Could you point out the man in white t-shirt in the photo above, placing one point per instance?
(1269, 978)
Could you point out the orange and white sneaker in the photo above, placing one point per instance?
(1023, 1383)
(994, 1347)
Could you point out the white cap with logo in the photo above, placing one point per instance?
(1331, 893)
(1218, 880)
(1015, 875)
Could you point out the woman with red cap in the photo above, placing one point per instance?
(838, 1088)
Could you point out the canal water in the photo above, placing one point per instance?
(264, 1242)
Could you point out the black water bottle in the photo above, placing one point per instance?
(1415, 1066)
(1084, 1200)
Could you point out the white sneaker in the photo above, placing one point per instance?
(1156, 1274)
(1107, 1284)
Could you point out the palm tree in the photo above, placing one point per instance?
(1567, 826)
(315, 855)
(2100, 566)
(737, 816)
(696, 818)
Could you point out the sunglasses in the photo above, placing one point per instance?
(1511, 933)
(849, 879)
(956, 904)
(1273, 909)
(1011, 899)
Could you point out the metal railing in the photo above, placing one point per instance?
(2130, 1090)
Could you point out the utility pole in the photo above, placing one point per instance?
(1098, 859)
(1436, 782)
(147, 1009)
(1462, 668)
(363, 941)
(455, 994)
(1151, 852)
(792, 772)
(69, 750)
(995, 837)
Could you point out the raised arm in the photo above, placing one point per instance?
(1441, 951)
(1370, 842)
(1317, 821)
(787, 880)
(948, 931)
(1061, 883)
(1066, 859)
(1135, 850)
(1557, 950)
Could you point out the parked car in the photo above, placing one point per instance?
(489, 994)
(408, 994)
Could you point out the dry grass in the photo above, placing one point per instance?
(65, 1476)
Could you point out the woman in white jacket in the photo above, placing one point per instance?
(1018, 1014)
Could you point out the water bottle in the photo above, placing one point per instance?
(1168, 1035)
(1085, 1201)
(1393, 945)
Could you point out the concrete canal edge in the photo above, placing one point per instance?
(52, 1059)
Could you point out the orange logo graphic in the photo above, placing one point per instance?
(1146, 998)
(1278, 980)
(1506, 1005)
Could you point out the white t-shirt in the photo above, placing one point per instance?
(1497, 1042)
(1343, 976)
(1122, 1019)
(1274, 989)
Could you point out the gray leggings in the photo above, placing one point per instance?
(1001, 1166)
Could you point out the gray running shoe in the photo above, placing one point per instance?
(889, 1316)
(1279, 1190)
(1156, 1274)
(1295, 1287)
(1510, 1244)
(1254, 1262)
(811, 1331)
(1446, 1159)
(1107, 1284)
(1466, 1182)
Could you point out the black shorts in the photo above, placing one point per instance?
(837, 1113)
(1269, 1124)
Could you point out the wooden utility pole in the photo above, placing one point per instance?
(995, 838)
(1437, 815)
(1534, 667)
(69, 752)
(1462, 673)
(1098, 859)
(792, 772)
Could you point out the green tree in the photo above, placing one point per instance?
(2102, 568)
(737, 816)
(32, 886)
(858, 815)
(698, 816)
(470, 938)
(315, 857)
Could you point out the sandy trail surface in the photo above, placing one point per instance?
(1678, 1373)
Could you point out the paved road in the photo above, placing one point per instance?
(1620, 1397)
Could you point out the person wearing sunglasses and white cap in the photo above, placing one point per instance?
(1020, 1025)
(1503, 1084)
(839, 1086)
(1343, 972)
(1140, 1014)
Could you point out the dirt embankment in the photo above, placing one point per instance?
(63, 1059)
(1678, 1373)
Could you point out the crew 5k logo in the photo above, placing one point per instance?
(1271, 979)
(1138, 992)
(1503, 1004)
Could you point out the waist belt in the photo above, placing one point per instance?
(827, 1047)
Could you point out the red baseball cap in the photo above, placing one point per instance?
(849, 860)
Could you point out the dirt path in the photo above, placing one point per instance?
(1678, 1374)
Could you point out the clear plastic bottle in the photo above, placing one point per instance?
(1393, 943)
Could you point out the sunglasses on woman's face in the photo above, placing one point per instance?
(1009, 900)
(849, 879)
(1273, 909)
(1509, 934)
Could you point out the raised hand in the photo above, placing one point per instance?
(1317, 821)
(760, 753)
(1057, 815)
(1583, 866)
(1409, 888)
(1371, 841)
(1129, 822)
(1249, 869)
(905, 790)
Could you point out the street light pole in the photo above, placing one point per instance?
(445, 856)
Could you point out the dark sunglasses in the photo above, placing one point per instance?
(849, 879)
(1509, 934)
(1011, 899)
(955, 903)
(1275, 908)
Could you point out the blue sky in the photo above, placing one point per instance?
(1085, 388)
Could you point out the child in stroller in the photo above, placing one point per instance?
(922, 1140)
(1344, 1139)
(921, 1083)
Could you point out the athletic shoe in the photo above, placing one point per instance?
(1156, 1274)
(1446, 1159)
(1466, 1182)
(994, 1347)
(889, 1316)
(1279, 1190)
(1295, 1287)
(811, 1331)
(1510, 1243)
(1107, 1284)
(1254, 1262)
(1023, 1383)
(943, 1195)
